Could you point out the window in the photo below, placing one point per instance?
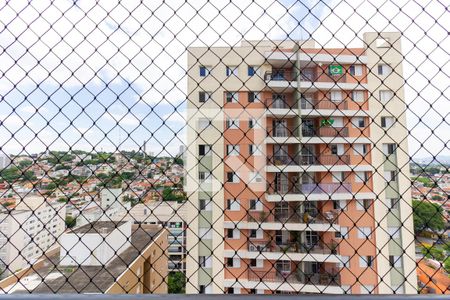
(232, 177)
(384, 69)
(363, 204)
(205, 233)
(256, 234)
(204, 96)
(203, 123)
(399, 289)
(254, 150)
(232, 123)
(255, 177)
(233, 262)
(336, 96)
(366, 261)
(253, 97)
(394, 232)
(367, 289)
(337, 149)
(390, 176)
(345, 261)
(232, 71)
(251, 123)
(204, 150)
(389, 149)
(232, 97)
(395, 261)
(356, 70)
(386, 96)
(362, 176)
(393, 203)
(204, 204)
(358, 96)
(201, 289)
(337, 177)
(230, 290)
(204, 261)
(358, 122)
(387, 122)
(256, 263)
(233, 233)
(344, 232)
(204, 71)
(256, 204)
(346, 288)
(340, 204)
(204, 176)
(233, 150)
(233, 204)
(251, 70)
(360, 149)
(364, 232)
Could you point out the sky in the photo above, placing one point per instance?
(94, 76)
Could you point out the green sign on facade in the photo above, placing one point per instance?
(335, 70)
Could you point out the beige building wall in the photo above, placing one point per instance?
(391, 54)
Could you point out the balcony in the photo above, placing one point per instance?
(312, 188)
(281, 131)
(280, 104)
(331, 278)
(324, 104)
(292, 217)
(325, 132)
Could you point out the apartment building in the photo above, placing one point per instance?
(172, 216)
(297, 169)
(111, 207)
(113, 258)
(28, 230)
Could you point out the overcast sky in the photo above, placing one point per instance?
(87, 67)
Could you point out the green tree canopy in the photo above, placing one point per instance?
(177, 283)
(427, 215)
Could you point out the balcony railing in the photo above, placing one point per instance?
(292, 247)
(323, 278)
(324, 104)
(280, 75)
(280, 104)
(312, 188)
(307, 160)
(327, 188)
(325, 132)
(291, 216)
(281, 131)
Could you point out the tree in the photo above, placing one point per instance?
(70, 222)
(177, 283)
(427, 215)
(169, 195)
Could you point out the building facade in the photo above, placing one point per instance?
(172, 216)
(297, 169)
(28, 230)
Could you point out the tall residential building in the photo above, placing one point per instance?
(298, 169)
(28, 230)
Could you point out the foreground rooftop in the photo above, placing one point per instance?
(50, 277)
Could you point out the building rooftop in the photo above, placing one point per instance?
(54, 278)
(103, 227)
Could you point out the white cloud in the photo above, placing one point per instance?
(425, 45)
